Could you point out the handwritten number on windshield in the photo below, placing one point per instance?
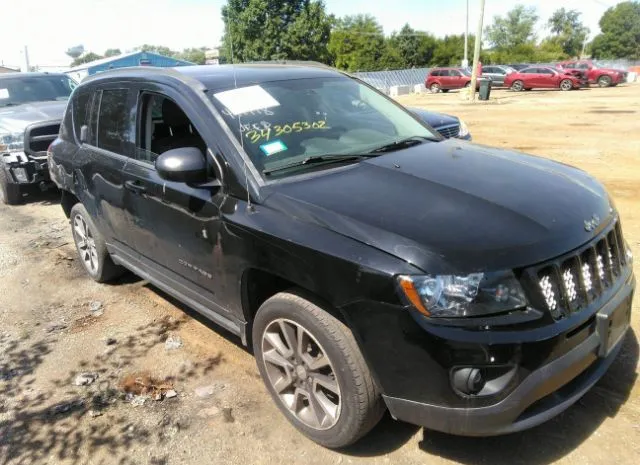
(277, 130)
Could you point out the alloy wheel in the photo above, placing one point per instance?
(435, 88)
(86, 244)
(301, 374)
(517, 86)
(566, 85)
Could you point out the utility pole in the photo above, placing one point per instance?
(465, 62)
(476, 53)
(27, 68)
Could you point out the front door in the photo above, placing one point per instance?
(176, 226)
(102, 157)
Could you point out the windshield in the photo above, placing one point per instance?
(283, 122)
(465, 72)
(25, 89)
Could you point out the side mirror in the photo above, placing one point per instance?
(84, 134)
(186, 164)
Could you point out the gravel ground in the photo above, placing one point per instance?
(56, 324)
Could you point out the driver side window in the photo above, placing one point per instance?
(162, 126)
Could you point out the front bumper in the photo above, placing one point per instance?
(25, 170)
(544, 393)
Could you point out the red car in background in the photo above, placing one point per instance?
(542, 78)
(445, 79)
(604, 77)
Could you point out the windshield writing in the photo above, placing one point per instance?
(312, 117)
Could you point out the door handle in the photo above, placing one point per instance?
(135, 186)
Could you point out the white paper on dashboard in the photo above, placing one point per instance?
(246, 99)
(4, 93)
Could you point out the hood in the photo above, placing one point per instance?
(16, 119)
(434, 119)
(452, 206)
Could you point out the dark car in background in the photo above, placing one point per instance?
(31, 108)
(542, 77)
(368, 262)
(519, 66)
(447, 125)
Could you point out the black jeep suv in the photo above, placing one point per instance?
(368, 262)
(31, 108)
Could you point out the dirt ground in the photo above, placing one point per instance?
(55, 323)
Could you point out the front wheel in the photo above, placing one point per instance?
(91, 247)
(517, 86)
(566, 84)
(604, 81)
(435, 88)
(314, 370)
(9, 192)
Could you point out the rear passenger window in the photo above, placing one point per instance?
(81, 106)
(114, 125)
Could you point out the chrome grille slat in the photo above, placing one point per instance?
(449, 131)
(570, 283)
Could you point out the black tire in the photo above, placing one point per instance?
(435, 88)
(444, 91)
(604, 81)
(528, 89)
(104, 269)
(10, 193)
(517, 86)
(361, 406)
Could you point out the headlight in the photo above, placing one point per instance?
(11, 142)
(20, 174)
(476, 294)
(464, 130)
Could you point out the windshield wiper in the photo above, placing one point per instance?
(402, 144)
(324, 159)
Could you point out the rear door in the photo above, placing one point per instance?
(530, 77)
(100, 161)
(455, 79)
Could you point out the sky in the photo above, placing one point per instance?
(50, 28)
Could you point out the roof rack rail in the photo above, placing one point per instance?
(286, 62)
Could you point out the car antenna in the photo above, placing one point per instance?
(250, 207)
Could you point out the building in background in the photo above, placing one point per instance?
(124, 61)
(212, 56)
(6, 69)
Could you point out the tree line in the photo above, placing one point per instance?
(258, 30)
(263, 30)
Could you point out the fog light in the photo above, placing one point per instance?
(20, 174)
(467, 380)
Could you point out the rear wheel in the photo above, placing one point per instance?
(566, 84)
(91, 247)
(314, 370)
(435, 88)
(604, 81)
(9, 192)
(517, 86)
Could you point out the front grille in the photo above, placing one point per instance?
(449, 131)
(38, 137)
(571, 282)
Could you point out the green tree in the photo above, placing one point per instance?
(357, 43)
(514, 29)
(275, 30)
(449, 51)
(194, 55)
(86, 58)
(568, 31)
(159, 49)
(112, 52)
(416, 48)
(620, 37)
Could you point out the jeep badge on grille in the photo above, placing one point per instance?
(590, 225)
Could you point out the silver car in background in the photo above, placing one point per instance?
(497, 74)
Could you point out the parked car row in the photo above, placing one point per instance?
(566, 75)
